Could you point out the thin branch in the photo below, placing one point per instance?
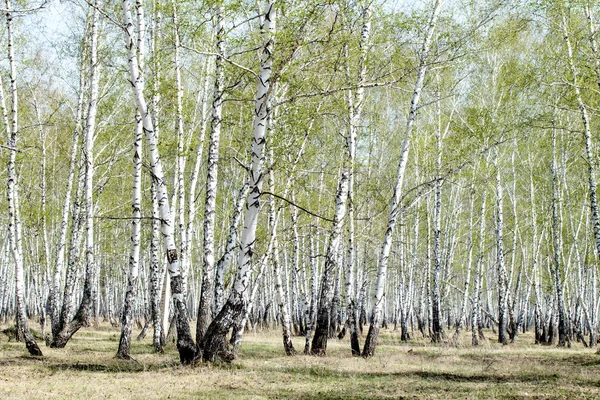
(208, 53)
(24, 11)
(297, 206)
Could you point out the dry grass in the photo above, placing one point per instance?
(87, 369)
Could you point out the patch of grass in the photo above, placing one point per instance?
(87, 368)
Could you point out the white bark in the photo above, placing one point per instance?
(230, 247)
(134, 257)
(355, 105)
(68, 329)
(185, 344)
(207, 293)
(319, 342)
(371, 340)
(232, 311)
(587, 136)
(181, 158)
(501, 269)
(14, 223)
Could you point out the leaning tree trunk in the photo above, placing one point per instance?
(230, 247)
(395, 207)
(319, 342)
(185, 343)
(587, 136)
(59, 260)
(214, 344)
(82, 316)
(14, 223)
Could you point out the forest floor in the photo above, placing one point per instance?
(88, 369)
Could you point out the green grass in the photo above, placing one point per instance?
(87, 369)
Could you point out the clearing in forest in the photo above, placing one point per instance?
(87, 369)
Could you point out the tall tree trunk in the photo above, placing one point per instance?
(156, 275)
(214, 345)
(462, 318)
(437, 327)
(230, 247)
(181, 156)
(557, 244)
(319, 342)
(475, 312)
(501, 271)
(355, 105)
(208, 279)
(82, 316)
(54, 296)
(587, 136)
(185, 343)
(134, 259)
(395, 206)
(14, 222)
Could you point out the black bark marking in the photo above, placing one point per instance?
(171, 256)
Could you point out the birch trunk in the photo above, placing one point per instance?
(62, 238)
(14, 223)
(134, 259)
(395, 207)
(185, 344)
(208, 279)
(282, 300)
(437, 327)
(557, 244)
(310, 311)
(319, 342)
(214, 345)
(158, 337)
(475, 311)
(462, 319)
(82, 316)
(355, 105)
(231, 246)
(501, 271)
(181, 157)
(587, 136)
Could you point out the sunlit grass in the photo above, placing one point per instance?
(87, 368)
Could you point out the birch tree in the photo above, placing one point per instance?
(207, 291)
(395, 206)
(185, 344)
(214, 345)
(82, 316)
(14, 222)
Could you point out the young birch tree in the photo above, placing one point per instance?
(81, 318)
(208, 278)
(355, 106)
(185, 343)
(395, 206)
(14, 222)
(214, 345)
(134, 257)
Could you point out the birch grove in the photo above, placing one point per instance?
(312, 169)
